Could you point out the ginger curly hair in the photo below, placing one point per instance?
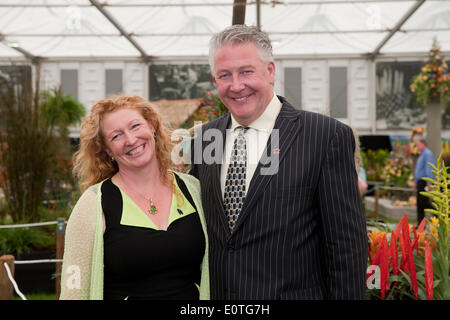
(91, 162)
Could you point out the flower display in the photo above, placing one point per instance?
(397, 170)
(415, 263)
(433, 81)
(401, 260)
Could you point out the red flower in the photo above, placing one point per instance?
(410, 258)
(417, 234)
(428, 271)
(384, 266)
(394, 253)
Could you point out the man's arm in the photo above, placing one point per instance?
(428, 170)
(343, 219)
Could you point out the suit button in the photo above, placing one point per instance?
(230, 249)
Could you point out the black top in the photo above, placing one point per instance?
(144, 263)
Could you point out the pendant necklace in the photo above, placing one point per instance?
(152, 210)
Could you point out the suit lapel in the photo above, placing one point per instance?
(288, 126)
(214, 173)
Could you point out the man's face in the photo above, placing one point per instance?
(244, 82)
(420, 146)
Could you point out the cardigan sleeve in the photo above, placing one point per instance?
(78, 249)
(193, 185)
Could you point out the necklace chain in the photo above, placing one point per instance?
(152, 209)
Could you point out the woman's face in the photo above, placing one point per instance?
(129, 138)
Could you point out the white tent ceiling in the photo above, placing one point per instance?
(69, 29)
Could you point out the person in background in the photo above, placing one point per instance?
(422, 170)
(282, 205)
(138, 230)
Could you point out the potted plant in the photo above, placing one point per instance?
(35, 164)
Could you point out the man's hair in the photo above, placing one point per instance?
(423, 141)
(240, 34)
(420, 138)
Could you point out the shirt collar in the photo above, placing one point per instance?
(266, 120)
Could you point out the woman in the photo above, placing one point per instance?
(138, 230)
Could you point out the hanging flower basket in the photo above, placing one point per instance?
(432, 84)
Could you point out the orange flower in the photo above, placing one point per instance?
(375, 237)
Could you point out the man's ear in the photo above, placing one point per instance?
(271, 70)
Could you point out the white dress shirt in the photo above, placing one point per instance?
(256, 139)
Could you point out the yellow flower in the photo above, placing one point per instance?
(433, 227)
(435, 221)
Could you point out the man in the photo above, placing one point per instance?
(290, 224)
(422, 170)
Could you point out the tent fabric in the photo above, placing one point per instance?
(182, 28)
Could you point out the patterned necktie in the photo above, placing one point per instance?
(234, 193)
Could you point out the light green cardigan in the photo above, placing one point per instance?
(82, 269)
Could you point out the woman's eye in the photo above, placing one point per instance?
(134, 126)
(115, 137)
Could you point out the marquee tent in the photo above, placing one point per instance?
(155, 29)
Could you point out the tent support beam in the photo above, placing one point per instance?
(145, 57)
(397, 27)
(34, 59)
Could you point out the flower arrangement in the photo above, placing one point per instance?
(397, 170)
(433, 81)
(410, 263)
(211, 108)
(373, 162)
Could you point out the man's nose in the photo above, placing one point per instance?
(237, 84)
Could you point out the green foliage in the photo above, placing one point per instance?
(212, 108)
(21, 240)
(374, 162)
(25, 150)
(38, 296)
(34, 147)
(440, 196)
(58, 111)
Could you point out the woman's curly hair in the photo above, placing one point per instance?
(91, 162)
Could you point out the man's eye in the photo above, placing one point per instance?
(223, 76)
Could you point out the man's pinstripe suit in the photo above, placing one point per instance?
(301, 233)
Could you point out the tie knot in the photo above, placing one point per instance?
(242, 129)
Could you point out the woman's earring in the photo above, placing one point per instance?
(154, 134)
(112, 159)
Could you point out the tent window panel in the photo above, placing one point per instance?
(69, 82)
(113, 82)
(293, 86)
(338, 92)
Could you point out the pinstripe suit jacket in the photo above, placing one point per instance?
(301, 233)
